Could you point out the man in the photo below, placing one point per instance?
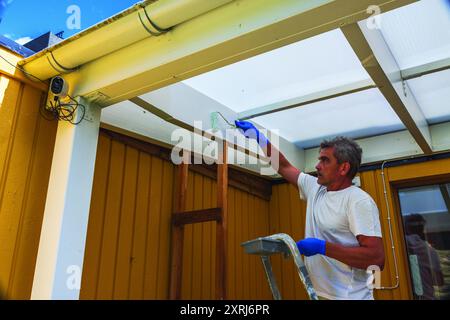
(424, 260)
(342, 229)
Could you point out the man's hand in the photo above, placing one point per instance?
(311, 246)
(250, 131)
(284, 168)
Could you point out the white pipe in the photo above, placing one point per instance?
(397, 282)
(134, 24)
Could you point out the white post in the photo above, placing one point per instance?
(63, 235)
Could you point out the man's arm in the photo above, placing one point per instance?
(285, 168)
(369, 252)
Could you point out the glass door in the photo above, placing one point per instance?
(425, 213)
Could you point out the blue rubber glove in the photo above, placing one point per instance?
(250, 131)
(311, 246)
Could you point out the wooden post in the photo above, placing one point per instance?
(221, 229)
(178, 230)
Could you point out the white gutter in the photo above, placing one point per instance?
(144, 19)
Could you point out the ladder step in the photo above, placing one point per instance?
(196, 216)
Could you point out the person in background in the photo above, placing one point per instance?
(424, 260)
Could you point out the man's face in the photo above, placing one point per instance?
(328, 169)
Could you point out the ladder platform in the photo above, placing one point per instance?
(280, 243)
(265, 247)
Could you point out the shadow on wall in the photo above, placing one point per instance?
(2, 292)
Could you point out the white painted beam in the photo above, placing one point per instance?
(193, 107)
(308, 99)
(427, 68)
(235, 31)
(63, 235)
(406, 74)
(376, 57)
(391, 146)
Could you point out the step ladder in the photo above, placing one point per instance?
(279, 243)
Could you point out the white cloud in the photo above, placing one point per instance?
(23, 40)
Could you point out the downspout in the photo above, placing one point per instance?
(144, 19)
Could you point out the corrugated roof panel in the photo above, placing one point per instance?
(432, 93)
(418, 33)
(356, 115)
(315, 64)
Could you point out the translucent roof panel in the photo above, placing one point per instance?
(314, 64)
(418, 33)
(356, 115)
(432, 93)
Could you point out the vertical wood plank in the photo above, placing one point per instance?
(165, 227)
(137, 270)
(178, 239)
(221, 232)
(111, 223)
(28, 242)
(153, 229)
(96, 220)
(197, 236)
(206, 245)
(186, 289)
(232, 245)
(124, 249)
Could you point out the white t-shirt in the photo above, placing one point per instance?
(338, 217)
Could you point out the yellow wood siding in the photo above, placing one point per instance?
(26, 148)
(248, 218)
(421, 173)
(371, 182)
(128, 240)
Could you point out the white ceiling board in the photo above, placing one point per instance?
(357, 115)
(315, 64)
(432, 93)
(418, 33)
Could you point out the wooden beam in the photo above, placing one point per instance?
(168, 118)
(244, 181)
(426, 69)
(307, 99)
(236, 31)
(239, 178)
(376, 57)
(196, 216)
(221, 230)
(178, 230)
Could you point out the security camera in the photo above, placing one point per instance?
(59, 87)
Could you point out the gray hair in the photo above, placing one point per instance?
(345, 150)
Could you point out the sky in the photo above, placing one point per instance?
(23, 20)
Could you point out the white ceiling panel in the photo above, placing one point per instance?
(302, 68)
(432, 93)
(357, 115)
(418, 33)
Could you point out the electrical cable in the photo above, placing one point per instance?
(20, 69)
(56, 110)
